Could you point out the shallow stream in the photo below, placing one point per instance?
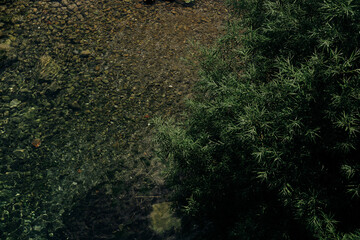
(80, 82)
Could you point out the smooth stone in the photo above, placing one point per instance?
(75, 105)
(14, 103)
(5, 47)
(72, 7)
(25, 90)
(85, 53)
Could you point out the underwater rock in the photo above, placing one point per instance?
(47, 68)
(5, 47)
(162, 218)
(14, 103)
(75, 105)
(85, 53)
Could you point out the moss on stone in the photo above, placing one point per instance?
(162, 218)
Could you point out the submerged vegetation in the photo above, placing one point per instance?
(271, 146)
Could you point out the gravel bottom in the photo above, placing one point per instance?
(80, 82)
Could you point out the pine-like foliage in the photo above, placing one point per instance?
(271, 147)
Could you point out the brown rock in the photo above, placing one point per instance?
(85, 53)
(5, 47)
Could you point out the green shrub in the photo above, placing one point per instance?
(271, 145)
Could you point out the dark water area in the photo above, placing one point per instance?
(76, 159)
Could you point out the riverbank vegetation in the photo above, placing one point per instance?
(271, 144)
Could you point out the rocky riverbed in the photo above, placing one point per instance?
(80, 82)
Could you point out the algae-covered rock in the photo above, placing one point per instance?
(5, 47)
(14, 103)
(162, 218)
(47, 68)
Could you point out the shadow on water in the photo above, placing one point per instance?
(100, 216)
